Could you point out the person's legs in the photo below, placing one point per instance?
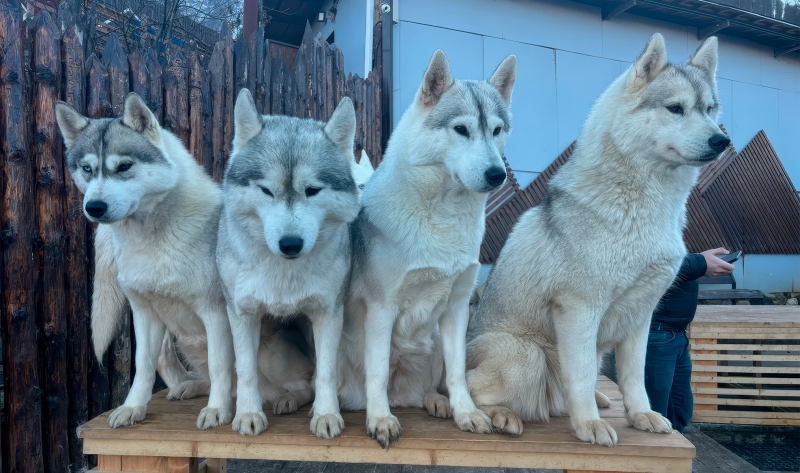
(659, 370)
(681, 401)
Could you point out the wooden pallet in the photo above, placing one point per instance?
(746, 364)
(167, 441)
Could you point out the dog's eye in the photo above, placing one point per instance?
(87, 169)
(312, 191)
(266, 191)
(676, 109)
(361, 186)
(710, 108)
(497, 131)
(461, 130)
(124, 167)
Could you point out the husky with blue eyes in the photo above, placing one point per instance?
(284, 246)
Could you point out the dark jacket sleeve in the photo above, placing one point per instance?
(692, 267)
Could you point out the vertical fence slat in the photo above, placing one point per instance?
(330, 99)
(216, 69)
(176, 95)
(241, 69)
(208, 148)
(154, 72)
(276, 83)
(98, 105)
(299, 74)
(121, 351)
(23, 396)
(319, 78)
(263, 73)
(227, 119)
(196, 118)
(76, 260)
(138, 72)
(49, 193)
(307, 48)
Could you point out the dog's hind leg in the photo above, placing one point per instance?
(182, 384)
(289, 403)
(149, 331)
(436, 403)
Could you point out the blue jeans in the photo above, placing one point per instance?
(667, 377)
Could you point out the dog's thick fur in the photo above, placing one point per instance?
(415, 247)
(584, 270)
(158, 213)
(284, 245)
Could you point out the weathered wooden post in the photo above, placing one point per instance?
(176, 95)
(23, 394)
(196, 114)
(216, 69)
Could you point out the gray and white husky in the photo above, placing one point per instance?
(583, 271)
(284, 244)
(416, 244)
(158, 213)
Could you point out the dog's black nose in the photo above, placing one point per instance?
(290, 245)
(719, 142)
(96, 208)
(495, 176)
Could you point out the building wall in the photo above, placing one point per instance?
(350, 29)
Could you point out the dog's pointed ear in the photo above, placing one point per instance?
(137, 115)
(247, 121)
(365, 162)
(437, 80)
(706, 56)
(341, 127)
(70, 122)
(504, 77)
(649, 64)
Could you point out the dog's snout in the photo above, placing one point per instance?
(719, 142)
(96, 208)
(290, 245)
(495, 176)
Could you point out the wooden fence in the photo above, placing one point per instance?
(53, 383)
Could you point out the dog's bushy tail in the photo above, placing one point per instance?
(109, 305)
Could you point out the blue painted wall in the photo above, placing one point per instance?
(350, 32)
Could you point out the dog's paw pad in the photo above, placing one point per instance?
(126, 415)
(650, 421)
(504, 419)
(438, 405)
(188, 390)
(285, 404)
(475, 421)
(211, 417)
(250, 423)
(596, 431)
(602, 400)
(327, 426)
(386, 430)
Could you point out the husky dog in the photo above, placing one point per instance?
(284, 244)
(163, 213)
(583, 271)
(415, 247)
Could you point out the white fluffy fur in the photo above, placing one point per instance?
(415, 261)
(583, 271)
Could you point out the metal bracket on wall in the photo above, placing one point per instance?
(786, 50)
(610, 12)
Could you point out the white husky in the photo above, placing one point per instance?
(415, 252)
(284, 244)
(140, 181)
(583, 271)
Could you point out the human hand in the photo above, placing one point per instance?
(715, 266)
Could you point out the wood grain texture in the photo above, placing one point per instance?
(23, 394)
(169, 431)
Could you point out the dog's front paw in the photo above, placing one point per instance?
(386, 430)
(327, 426)
(596, 431)
(286, 404)
(504, 419)
(126, 415)
(250, 423)
(602, 400)
(211, 417)
(188, 390)
(650, 421)
(475, 421)
(438, 405)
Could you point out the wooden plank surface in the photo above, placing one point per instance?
(751, 315)
(169, 430)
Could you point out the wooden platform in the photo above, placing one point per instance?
(746, 364)
(169, 432)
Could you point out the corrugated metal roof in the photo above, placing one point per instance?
(743, 201)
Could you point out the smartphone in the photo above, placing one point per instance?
(732, 257)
